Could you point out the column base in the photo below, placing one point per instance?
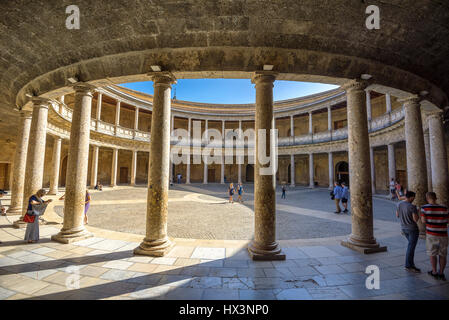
(52, 193)
(154, 248)
(70, 236)
(13, 212)
(268, 253)
(363, 247)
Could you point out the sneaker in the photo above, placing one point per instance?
(345, 211)
(441, 277)
(413, 269)
(434, 275)
(337, 212)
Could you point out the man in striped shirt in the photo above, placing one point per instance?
(436, 218)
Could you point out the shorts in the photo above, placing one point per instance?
(344, 200)
(436, 246)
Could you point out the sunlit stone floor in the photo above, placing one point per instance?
(316, 268)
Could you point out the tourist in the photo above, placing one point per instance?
(408, 216)
(179, 177)
(344, 196)
(240, 192)
(98, 186)
(399, 191)
(392, 188)
(36, 208)
(283, 191)
(86, 206)
(231, 193)
(336, 195)
(2, 208)
(436, 218)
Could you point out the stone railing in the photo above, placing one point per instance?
(374, 125)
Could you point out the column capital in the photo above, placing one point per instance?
(162, 78)
(435, 115)
(84, 88)
(355, 84)
(40, 102)
(264, 77)
(26, 113)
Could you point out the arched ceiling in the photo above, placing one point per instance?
(318, 40)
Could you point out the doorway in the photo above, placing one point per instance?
(210, 175)
(342, 172)
(4, 176)
(123, 175)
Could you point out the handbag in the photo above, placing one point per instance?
(29, 218)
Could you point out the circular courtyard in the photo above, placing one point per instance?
(204, 212)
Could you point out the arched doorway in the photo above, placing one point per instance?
(249, 173)
(342, 172)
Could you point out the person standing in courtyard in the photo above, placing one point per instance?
(36, 208)
(240, 192)
(231, 193)
(86, 206)
(283, 192)
(344, 196)
(337, 193)
(392, 188)
(436, 218)
(408, 216)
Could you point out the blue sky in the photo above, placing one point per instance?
(231, 90)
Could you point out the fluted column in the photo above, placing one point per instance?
(156, 242)
(292, 170)
(20, 159)
(428, 160)
(311, 172)
(440, 178)
(36, 153)
(391, 163)
(94, 171)
(56, 160)
(77, 166)
(264, 245)
(416, 158)
(362, 235)
(331, 170)
(133, 167)
(373, 170)
(114, 167)
(189, 129)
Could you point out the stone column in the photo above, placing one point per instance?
(373, 170)
(331, 170)
(36, 151)
(388, 102)
(94, 171)
(391, 163)
(99, 103)
(264, 245)
(133, 167)
(440, 178)
(77, 167)
(273, 152)
(136, 119)
(362, 236)
(205, 158)
(156, 242)
(56, 161)
(114, 167)
(239, 166)
(368, 105)
(222, 152)
(292, 170)
(329, 118)
(20, 159)
(292, 126)
(310, 123)
(416, 158)
(172, 128)
(311, 172)
(117, 114)
(428, 160)
(189, 129)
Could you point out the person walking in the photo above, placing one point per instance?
(336, 194)
(344, 196)
(283, 191)
(240, 192)
(36, 208)
(231, 193)
(392, 188)
(408, 216)
(86, 207)
(435, 217)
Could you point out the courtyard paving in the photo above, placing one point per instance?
(104, 267)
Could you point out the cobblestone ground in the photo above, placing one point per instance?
(204, 212)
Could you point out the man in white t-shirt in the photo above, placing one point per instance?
(392, 189)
